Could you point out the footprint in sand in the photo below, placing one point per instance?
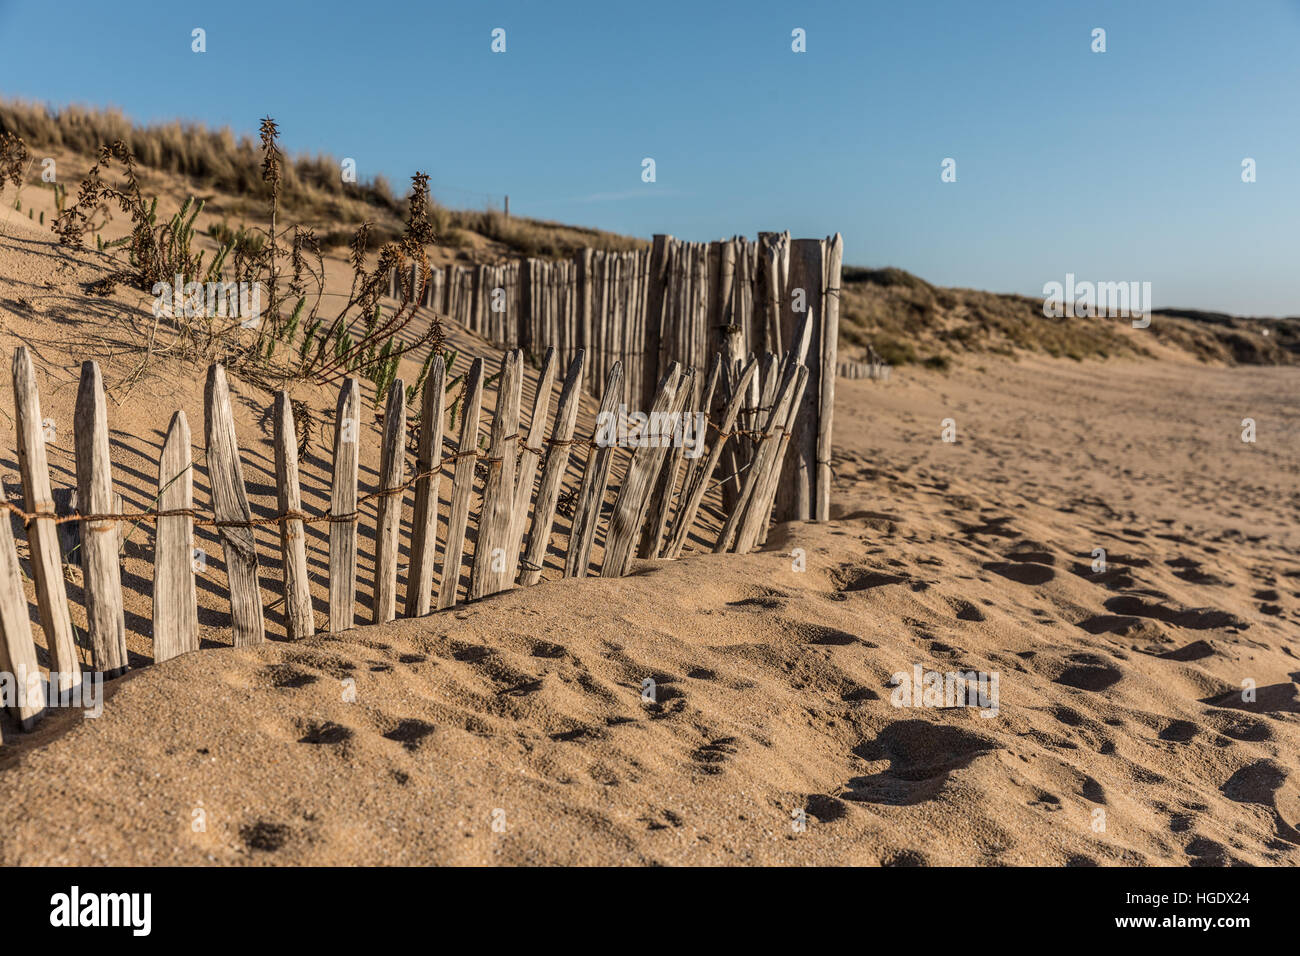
(325, 732)
(286, 675)
(1195, 651)
(1084, 671)
(1025, 567)
(712, 758)
(1190, 570)
(822, 636)
(965, 610)
(991, 526)
(331, 664)
(761, 603)
(1273, 699)
(1197, 619)
(1267, 783)
(848, 578)
(409, 732)
(1180, 731)
(264, 836)
(824, 807)
(1116, 624)
(1238, 726)
(906, 858)
(921, 755)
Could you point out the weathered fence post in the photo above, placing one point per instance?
(795, 496)
(557, 459)
(388, 522)
(175, 602)
(633, 494)
(529, 457)
(42, 533)
(491, 562)
(591, 495)
(701, 477)
(101, 572)
(762, 513)
(17, 649)
(231, 509)
(747, 505)
(428, 464)
(830, 333)
(462, 486)
(693, 464)
(343, 508)
(298, 614)
(651, 355)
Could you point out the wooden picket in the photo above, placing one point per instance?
(343, 508)
(462, 486)
(231, 508)
(17, 649)
(557, 459)
(489, 571)
(428, 465)
(101, 573)
(529, 458)
(594, 479)
(293, 536)
(175, 621)
(42, 535)
(634, 493)
(388, 524)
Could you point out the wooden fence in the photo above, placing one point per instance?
(654, 511)
(675, 302)
(874, 368)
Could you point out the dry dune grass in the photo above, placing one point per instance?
(215, 161)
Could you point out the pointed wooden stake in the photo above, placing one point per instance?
(175, 604)
(634, 493)
(529, 457)
(99, 539)
(424, 521)
(230, 503)
(389, 520)
(293, 539)
(557, 460)
(42, 533)
(462, 486)
(17, 649)
(343, 508)
(591, 495)
(491, 560)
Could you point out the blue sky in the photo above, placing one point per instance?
(1116, 166)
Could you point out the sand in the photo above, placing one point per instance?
(516, 730)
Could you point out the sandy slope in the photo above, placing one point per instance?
(1117, 689)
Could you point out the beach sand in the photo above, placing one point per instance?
(520, 729)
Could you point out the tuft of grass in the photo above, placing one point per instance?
(285, 261)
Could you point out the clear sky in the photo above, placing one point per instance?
(1115, 166)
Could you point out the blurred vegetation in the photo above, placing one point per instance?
(908, 321)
